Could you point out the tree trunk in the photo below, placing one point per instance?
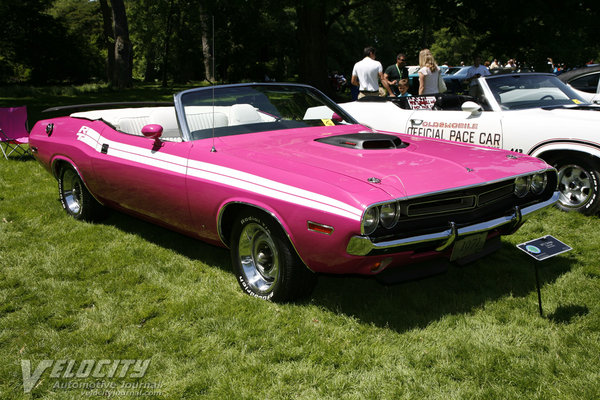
(123, 48)
(312, 39)
(167, 49)
(206, 50)
(109, 39)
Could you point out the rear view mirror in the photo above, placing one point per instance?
(152, 131)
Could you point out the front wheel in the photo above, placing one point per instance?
(264, 262)
(579, 185)
(75, 198)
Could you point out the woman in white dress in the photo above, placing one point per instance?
(428, 73)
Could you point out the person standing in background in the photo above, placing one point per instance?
(474, 72)
(428, 73)
(396, 72)
(367, 73)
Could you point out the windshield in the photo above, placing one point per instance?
(240, 109)
(515, 92)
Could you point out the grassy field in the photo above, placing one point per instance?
(127, 290)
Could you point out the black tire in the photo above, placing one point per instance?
(75, 197)
(264, 261)
(579, 185)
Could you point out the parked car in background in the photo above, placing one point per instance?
(585, 81)
(530, 113)
(291, 184)
(454, 79)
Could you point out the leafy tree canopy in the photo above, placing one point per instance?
(49, 41)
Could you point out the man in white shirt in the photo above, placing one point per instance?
(476, 71)
(367, 73)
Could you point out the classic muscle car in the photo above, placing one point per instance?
(290, 183)
(530, 113)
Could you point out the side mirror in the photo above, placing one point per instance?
(152, 131)
(471, 107)
(335, 117)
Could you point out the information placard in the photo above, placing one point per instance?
(544, 247)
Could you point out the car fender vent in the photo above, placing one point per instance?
(365, 141)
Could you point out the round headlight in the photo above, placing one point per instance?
(522, 186)
(370, 220)
(538, 183)
(388, 215)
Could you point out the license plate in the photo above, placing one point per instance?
(468, 245)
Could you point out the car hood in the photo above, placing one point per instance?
(568, 122)
(423, 166)
(588, 112)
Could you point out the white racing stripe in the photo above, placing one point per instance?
(218, 174)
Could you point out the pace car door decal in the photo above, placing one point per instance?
(484, 129)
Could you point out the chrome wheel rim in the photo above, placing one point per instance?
(575, 185)
(259, 258)
(72, 191)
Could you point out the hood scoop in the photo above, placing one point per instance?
(365, 141)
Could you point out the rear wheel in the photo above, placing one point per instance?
(264, 261)
(75, 198)
(579, 185)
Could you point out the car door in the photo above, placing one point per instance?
(144, 176)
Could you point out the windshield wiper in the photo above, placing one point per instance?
(573, 107)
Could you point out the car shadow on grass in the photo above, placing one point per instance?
(507, 273)
(187, 246)
(402, 306)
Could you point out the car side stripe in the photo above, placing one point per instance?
(219, 174)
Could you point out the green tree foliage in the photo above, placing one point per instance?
(48, 41)
(39, 47)
(83, 22)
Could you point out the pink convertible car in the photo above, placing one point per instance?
(291, 184)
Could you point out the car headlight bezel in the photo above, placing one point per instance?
(522, 186)
(539, 182)
(370, 220)
(388, 214)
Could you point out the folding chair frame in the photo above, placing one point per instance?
(10, 144)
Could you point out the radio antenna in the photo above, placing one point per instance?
(213, 149)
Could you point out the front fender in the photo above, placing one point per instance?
(318, 250)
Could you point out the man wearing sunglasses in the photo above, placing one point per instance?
(396, 72)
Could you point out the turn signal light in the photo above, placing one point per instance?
(315, 227)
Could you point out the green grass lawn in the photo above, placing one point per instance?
(124, 289)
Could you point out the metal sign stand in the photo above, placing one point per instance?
(537, 285)
(541, 249)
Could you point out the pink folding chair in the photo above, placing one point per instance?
(14, 136)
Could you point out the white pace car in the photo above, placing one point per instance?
(530, 113)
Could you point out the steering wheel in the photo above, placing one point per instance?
(547, 97)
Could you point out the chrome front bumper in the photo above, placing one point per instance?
(362, 245)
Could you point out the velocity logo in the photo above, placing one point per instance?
(71, 369)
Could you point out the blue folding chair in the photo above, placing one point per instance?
(14, 135)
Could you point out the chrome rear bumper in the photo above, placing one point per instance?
(362, 245)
